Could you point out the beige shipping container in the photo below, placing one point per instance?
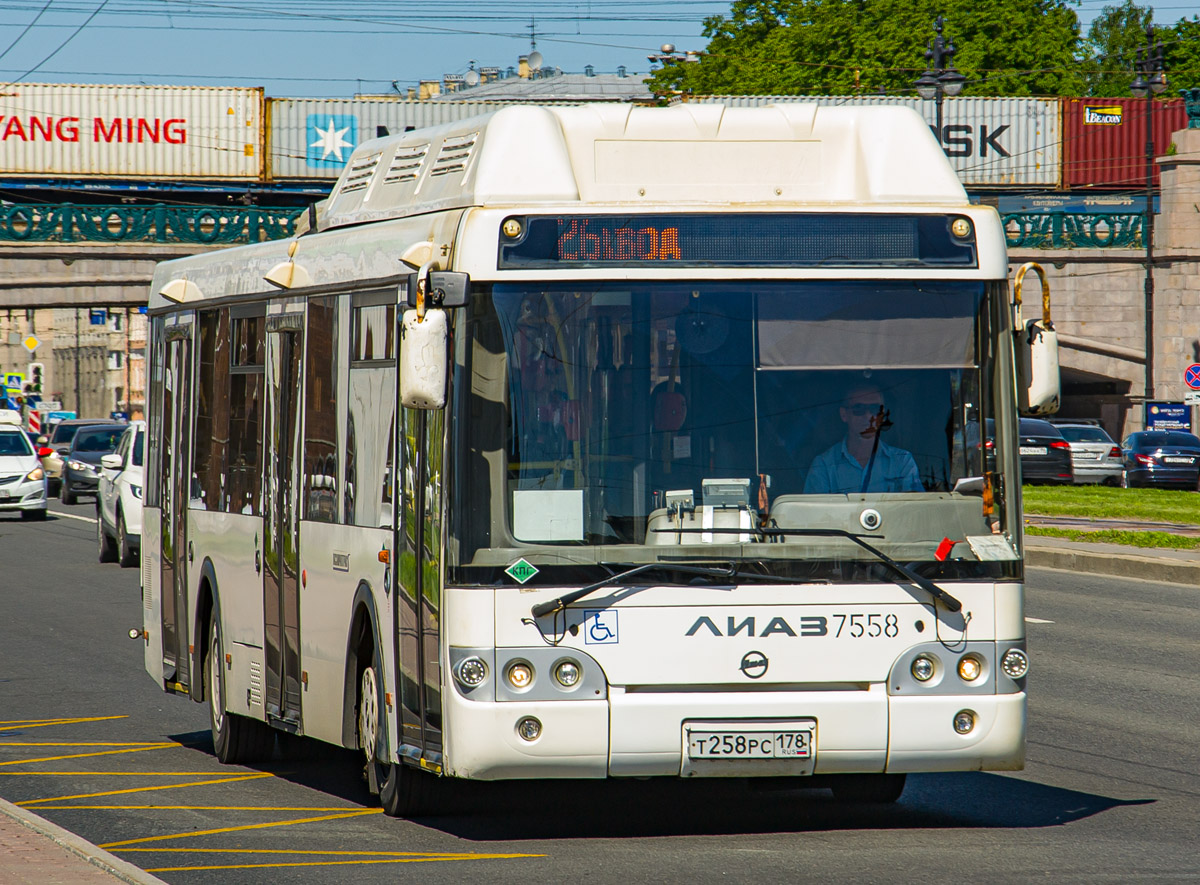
(131, 132)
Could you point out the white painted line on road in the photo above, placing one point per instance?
(90, 519)
(1037, 621)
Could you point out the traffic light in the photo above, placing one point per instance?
(36, 376)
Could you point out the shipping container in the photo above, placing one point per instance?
(177, 132)
(1105, 143)
(314, 137)
(991, 142)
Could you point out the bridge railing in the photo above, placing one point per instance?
(1074, 230)
(158, 223)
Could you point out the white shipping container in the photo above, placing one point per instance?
(991, 142)
(314, 137)
(176, 132)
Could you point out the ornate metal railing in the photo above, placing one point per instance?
(1074, 230)
(205, 225)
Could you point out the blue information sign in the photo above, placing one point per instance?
(97, 316)
(1168, 416)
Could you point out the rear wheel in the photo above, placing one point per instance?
(127, 554)
(878, 789)
(235, 738)
(107, 549)
(29, 515)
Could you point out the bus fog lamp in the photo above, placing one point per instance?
(964, 721)
(970, 668)
(529, 729)
(520, 676)
(471, 672)
(1015, 664)
(923, 668)
(567, 674)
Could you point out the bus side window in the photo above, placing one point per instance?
(212, 411)
(244, 471)
(321, 496)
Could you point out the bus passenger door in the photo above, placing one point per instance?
(281, 528)
(176, 487)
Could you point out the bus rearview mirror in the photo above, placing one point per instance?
(446, 289)
(423, 359)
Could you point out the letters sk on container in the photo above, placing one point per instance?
(114, 131)
(1105, 140)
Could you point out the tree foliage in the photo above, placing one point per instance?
(846, 47)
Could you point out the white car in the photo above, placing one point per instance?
(22, 479)
(119, 499)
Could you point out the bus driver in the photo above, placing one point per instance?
(862, 462)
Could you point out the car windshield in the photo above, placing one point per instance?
(14, 442)
(97, 440)
(64, 433)
(137, 448)
(602, 422)
(1085, 434)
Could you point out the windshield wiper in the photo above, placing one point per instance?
(729, 571)
(924, 583)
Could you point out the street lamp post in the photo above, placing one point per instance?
(940, 77)
(1151, 79)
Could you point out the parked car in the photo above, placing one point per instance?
(119, 498)
(1161, 458)
(81, 467)
(59, 443)
(1045, 455)
(22, 479)
(1095, 456)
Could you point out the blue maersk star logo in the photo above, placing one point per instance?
(331, 139)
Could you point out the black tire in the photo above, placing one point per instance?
(403, 791)
(33, 515)
(875, 789)
(66, 495)
(107, 549)
(235, 738)
(127, 554)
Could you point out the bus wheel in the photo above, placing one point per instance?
(880, 789)
(235, 738)
(398, 786)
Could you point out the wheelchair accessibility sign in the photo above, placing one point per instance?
(600, 627)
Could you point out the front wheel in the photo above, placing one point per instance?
(107, 550)
(127, 554)
(878, 789)
(401, 789)
(235, 738)
(66, 495)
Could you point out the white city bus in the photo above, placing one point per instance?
(540, 455)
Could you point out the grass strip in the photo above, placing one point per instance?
(1118, 536)
(1104, 502)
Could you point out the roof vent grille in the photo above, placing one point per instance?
(406, 165)
(454, 154)
(360, 173)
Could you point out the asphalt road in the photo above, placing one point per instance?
(1111, 791)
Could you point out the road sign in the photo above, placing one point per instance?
(1191, 376)
(14, 380)
(50, 405)
(1192, 398)
(98, 316)
(32, 343)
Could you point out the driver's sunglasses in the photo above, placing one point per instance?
(860, 409)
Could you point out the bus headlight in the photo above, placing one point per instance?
(923, 668)
(520, 676)
(566, 674)
(471, 672)
(970, 668)
(1015, 664)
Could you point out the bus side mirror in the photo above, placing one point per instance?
(1036, 353)
(423, 359)
(445, 288)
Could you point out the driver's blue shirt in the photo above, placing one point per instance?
(835, 471)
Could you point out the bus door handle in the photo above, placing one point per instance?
(191, 552)
(258, 561)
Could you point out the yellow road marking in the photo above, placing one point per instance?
(226, 780)
(342, 863)
(332, 853)
(89, 755)
(80, 743)
(187, 808)
(282, 823)
(42, 723)
(118, 773)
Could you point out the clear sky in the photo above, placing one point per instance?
(322, 48)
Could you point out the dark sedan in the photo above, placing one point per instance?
(81, 467)
(1161, 458)
(1045, 454)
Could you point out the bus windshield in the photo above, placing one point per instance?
(626, 422)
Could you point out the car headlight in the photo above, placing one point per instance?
(136, 491)
(77, 465)
(35, 474)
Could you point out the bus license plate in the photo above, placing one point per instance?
(791, 744)
(1033, 450)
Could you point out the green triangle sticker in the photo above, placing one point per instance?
(521, 571)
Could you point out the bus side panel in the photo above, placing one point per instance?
(152, 593)
(334, 560)
(230, 541)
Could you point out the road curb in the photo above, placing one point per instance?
(80, 847)
(1119, 565)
